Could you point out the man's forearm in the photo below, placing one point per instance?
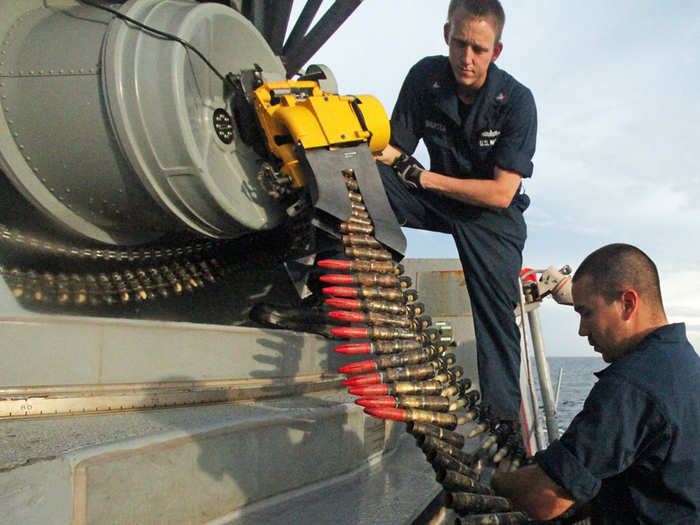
(532, 491)
(489, 193)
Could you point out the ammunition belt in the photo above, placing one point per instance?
(430, 395)
(134, 275)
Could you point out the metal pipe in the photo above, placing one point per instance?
(539, 435)
(556, 396)
(548, 400)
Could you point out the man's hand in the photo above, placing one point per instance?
(408, 170)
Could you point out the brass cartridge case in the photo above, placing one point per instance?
(418, 387)
(376, 266)
(453, 480)
(434, 403)
(354, 196)
(427, 443)
(392, 347)
(405, 358)
(365, 253)
(506, 518)
(436, 418)
(466, 503)
(381, 332)
(354, 227)
(419, 429)
(362, 243)
(459, 388)
(411, 372)
(441, 461)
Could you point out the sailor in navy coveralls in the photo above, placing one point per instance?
(479, 125)
(634, 449)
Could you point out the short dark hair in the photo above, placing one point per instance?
(618, 267)
(482, 9)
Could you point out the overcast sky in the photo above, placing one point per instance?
(616, 86)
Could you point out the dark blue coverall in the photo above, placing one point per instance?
(634, 449)
(498, 129)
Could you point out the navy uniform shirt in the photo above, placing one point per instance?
(498, 129)
(634, 449)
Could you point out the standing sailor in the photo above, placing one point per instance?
(479, 126)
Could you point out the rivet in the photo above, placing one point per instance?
(43, 179)
(52, 71)
(67, 190)
(21, 146)
(82, 70)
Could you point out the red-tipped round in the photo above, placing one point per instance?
(340, 291)
(359, 366)
(365, 379)
(347, 304)
(344, 315)
(334, 264)
(349, 332)
(354, 348)
(376, 402)
(369, 390)
(334, 278)
(386, 413)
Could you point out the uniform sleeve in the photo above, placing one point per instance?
(406, 121)
(618, 422)
(516, 144)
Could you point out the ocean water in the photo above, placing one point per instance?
(577, 381)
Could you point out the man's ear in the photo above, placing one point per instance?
(630, 303)
(497, 51)
(446, 33)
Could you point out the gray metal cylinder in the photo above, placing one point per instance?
(110, 130)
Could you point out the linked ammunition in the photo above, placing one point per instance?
(380, 347)
(354, 197)
(399, 373)
(441, 461)
(440, 419)
(365, 253)
(354, 227)
(421, 322)
(372, 332)
(385, 280)
(370, 318)
(370, 306)
(468, 400)
(351, 183)
(480, 429)
(389, 361)
(435, 403)
(453, 480)
(364, 246)
(507, 518)
(362, 266)
(459, 388)
(419, 429)
(465, 503)
(427, 443)
(357, 206)
(400, 387)
(365, 292)
(449, 376)
(430, 335)
(410, 295)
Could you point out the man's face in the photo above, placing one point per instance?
(472, 44)
(601, 322)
